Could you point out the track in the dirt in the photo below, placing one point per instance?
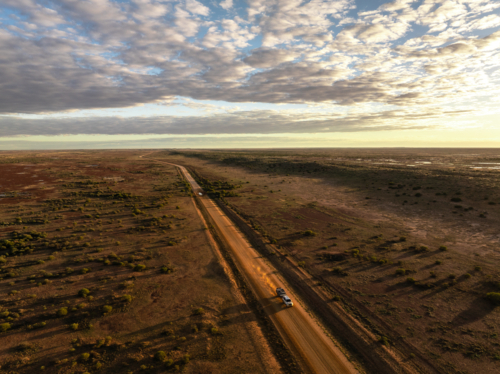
(313, 349)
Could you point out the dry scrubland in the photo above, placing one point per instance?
(408, 241)
(105, 267)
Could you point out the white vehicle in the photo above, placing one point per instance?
(199, 193)
(287, 301)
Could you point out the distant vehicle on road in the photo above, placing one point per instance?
(199, 193)
(281, 293)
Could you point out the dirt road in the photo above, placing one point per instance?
(313, 349)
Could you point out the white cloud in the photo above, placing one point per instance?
(226, 4)
(196, 7)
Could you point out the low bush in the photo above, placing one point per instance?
(62, 312)
(443, 248)
(139, 267)
(309, 233)
(160, 356)
(384, 340)
(127, 298)
(400, 271)
(83, 292)
(167, 269)
(494, 297)
(198, 311)
(107, 308)
(5, 326)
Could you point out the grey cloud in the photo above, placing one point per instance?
(242, 122)
(113, 54)
(267, 57)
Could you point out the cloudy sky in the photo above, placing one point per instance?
(249, 73)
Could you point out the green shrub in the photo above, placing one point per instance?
(400, 271)
(160, 356)
(107, 308)
(198, 311)
(438, 262)
(467, 275)
(37, 325)
(301, 264)
(384, 340)
(83, 292)
(477, 268)
(169, 362)
(410, 280)
(167, 269)
(494, 297)
(443, 248)
(139, 267)
(127, 298)
(402, 239)
(62, 312)
(5, 326)
(74, 326)
(185, 359)
(85, 356)
(214, 331)
(309, 233)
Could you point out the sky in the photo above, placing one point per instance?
(249, 73)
